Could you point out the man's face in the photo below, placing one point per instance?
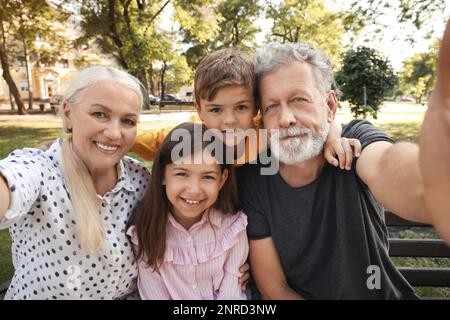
(231, 109)
(296, 112)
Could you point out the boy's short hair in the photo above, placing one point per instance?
(223, 68)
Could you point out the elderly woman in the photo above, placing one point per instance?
(67, 207)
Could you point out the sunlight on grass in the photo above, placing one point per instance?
(402, 131)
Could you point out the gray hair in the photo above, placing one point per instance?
(275, 55)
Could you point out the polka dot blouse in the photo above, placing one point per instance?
(48, 260)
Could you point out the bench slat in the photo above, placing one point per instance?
(427, 277)
(392, 220)
(418, 248)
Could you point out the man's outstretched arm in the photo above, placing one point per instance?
(392, 173)
(267, 271)
(435, 145)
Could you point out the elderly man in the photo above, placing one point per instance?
(315, 231)
(435, 145)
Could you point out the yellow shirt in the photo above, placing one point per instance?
(147, 144)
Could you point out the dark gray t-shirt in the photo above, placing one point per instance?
(330, 235)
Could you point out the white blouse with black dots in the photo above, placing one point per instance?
(48, 260)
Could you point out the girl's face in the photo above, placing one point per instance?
(192, 186)
(103, 124)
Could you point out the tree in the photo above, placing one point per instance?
(364, 79)
(307, 21)
(237, 24)
(5, 11)
(129, 30)
(33, 20)
(24, 22)
(419, 73)
(231, 24)
(415, 13)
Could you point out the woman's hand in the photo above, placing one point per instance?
(5, 198)
(45, 145)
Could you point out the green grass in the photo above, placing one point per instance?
(13, 137)
(408, 131)
(17, 134)
(6, 267)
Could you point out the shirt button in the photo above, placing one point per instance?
(194, 286)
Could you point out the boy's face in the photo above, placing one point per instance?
(232, 108)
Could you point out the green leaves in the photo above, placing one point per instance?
(364, 80)
(307, 21)
(232, 24)
(419, 73)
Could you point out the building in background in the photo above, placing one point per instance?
(48, 80)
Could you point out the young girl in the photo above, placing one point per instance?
(189, 239)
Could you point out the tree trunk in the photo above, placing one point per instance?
(142, 77)
(152, 84)
(163, 86)
(11, 101)
(29, 80)
(7, 75)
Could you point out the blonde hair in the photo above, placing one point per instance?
(83, 195)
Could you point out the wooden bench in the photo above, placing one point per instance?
(424, 248)
(427, 248)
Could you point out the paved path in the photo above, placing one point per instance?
(166, 116)
(390, 112)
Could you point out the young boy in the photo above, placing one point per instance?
(225, 89)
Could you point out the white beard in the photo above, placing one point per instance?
(299, 148)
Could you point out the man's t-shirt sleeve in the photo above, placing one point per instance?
(365, 132)
(250, 196)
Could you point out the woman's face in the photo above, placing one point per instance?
(103, 124)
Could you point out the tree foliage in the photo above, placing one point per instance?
(129, 31)
(307, 21)
(415, 13)
(23, 22)
(419, 73)
(364, 80)
(233, 25)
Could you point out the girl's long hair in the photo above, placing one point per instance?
(83, 196)
(151, 216)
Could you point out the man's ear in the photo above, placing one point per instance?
(67, 113)
(332, 105)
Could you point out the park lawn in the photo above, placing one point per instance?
(20, 134)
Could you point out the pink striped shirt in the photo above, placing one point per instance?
(200, 263)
